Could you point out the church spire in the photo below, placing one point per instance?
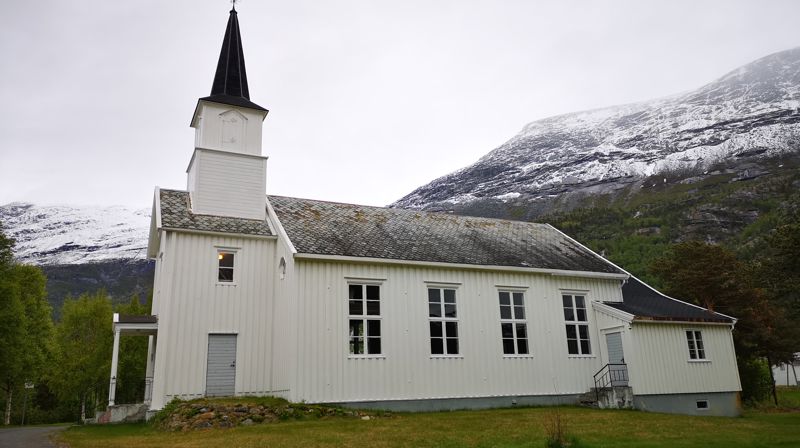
(230, 79)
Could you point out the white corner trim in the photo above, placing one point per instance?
(279, 227)
(613, 312)
(157, 203)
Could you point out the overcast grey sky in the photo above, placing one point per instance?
(368, 99)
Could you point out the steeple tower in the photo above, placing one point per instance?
(227, 173)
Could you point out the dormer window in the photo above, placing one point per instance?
(225, 269)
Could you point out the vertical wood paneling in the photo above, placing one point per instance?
(191, 304)
(406, 369)
(662, 362)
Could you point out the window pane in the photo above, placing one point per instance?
(451, 329)
(450, 310)
(356, 307)
(436, 330)
(225, 260)
(373, 307)
(571, 333)
(581, 312)
(437, 346)
(522, 331)
(434, 310)
(508, 346)
(568, 314)
(505, 299)
(585, 348)
(701, 354)
(373, 292)
(225, 275)
(449, 296)
(357, 346)
(356, 292)
(518, 301)
(567, 300)
(433, 295)
(373, 328)
(579, 302)
(452, 346)
(522, 346)
(519, 312)
(572, 346)
(507, 330)
(356, 328)
(505, 312)
(374, 346)
(583, 330)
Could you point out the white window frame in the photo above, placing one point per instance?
(697, 353)
(443, 320)
(364, 317)
(514, 321)
(577, 323)
(234, 269)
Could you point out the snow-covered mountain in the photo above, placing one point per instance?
(752, 113)
(60, 235)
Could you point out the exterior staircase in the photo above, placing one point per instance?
(611, 389)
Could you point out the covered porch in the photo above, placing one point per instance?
(131, 326)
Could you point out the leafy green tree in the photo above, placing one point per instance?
(27, 328)
(84, 340)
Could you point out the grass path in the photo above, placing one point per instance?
(522, 427)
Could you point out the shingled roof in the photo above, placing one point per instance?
(176, 213)
(646, 303)
(328, 228)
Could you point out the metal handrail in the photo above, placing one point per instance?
(609, 376)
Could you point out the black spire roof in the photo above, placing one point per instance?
(230, 81)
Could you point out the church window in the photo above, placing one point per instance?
(364, 315)
(443, 320)
(577, 324)
(513, 326)
(225, 266)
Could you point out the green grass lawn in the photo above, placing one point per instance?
(520, 427)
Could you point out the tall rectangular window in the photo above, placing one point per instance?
(695, 340)
(364, 311)
(225, 266)
(577, 324)
(443, 321)
(513, 326)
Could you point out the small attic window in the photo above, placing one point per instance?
(225, 269)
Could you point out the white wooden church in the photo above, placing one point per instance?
(387, 308)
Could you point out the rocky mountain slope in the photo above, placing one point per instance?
(750, 115)
(83, 249)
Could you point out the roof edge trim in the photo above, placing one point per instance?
(210, 232)
(439, 264)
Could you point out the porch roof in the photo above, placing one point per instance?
(141, 325)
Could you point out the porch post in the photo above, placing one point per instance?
(148, 373)
(112, 386)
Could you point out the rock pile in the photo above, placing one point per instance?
(205, 414)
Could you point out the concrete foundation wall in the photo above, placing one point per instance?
(726, 404)
(453, 404)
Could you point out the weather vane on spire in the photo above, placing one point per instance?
(233, 4)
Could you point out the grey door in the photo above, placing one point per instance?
(221, 369)
(619, 373)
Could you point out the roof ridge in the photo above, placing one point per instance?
(411, 210)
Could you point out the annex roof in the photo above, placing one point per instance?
(645, 303)
(329, 228)
(176, 213)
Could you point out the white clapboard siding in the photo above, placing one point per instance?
(406, 370)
